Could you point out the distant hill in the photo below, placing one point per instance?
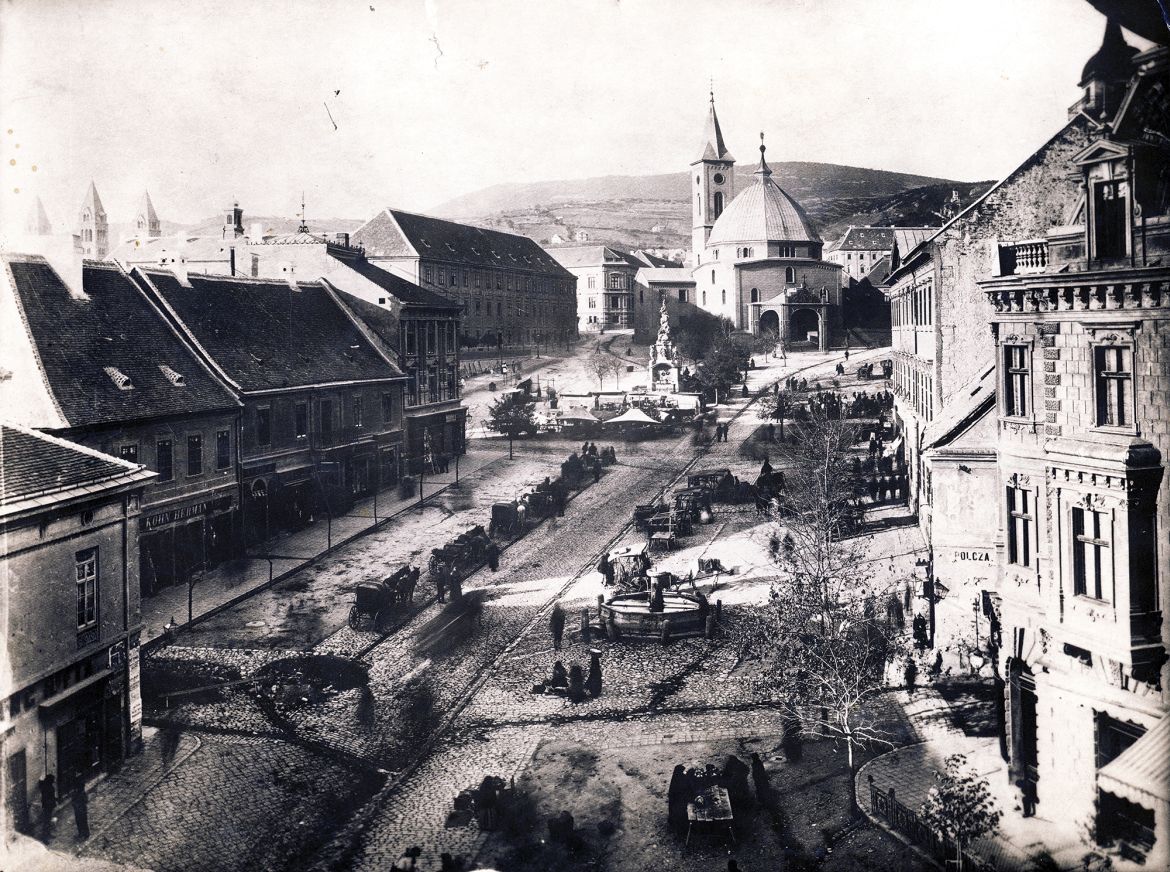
(654, 211)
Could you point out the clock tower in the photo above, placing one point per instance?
(712, 185)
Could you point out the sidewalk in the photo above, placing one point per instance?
(109, 799)
(289, 552)
(910, 771)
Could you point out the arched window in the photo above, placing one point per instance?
(718, 203)
(712, 276)
(724, 296)
(790, 275)
(704, 298)
(755, 295)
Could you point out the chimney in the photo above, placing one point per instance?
(256, 234)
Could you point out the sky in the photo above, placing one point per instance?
(410, 103)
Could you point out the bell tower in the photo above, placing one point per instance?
(714, 182)
(92, 239)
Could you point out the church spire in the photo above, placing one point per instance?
(713, 147)
(146, 223)
(763, 169)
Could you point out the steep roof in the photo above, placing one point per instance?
(38, 469)
(970, 403)
(93, 202)
(87, 346)
(180, 248)
(881, 238)
(146, 208)
(381, 322)
(395, 232)
(879, 272)
(713, 147)
(405, 291)
(652, 259)
(265, 335)
(580, 256)
(763, 212)
(37, 223)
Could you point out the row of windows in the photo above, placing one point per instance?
(915, 308)
(164, 454)
(1112, 383)
(615, 282)
(454, 278)
(916, 387)
(432, 384)
(428, 337)
(1092, 561)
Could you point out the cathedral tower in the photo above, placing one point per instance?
(146, 224)
(93, 236)
(714, 185)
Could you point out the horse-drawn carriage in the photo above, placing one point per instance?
(505, 519)
(690, 503)
(865, 371)
(541, 503)
(462, 555)
(376, 600)
(719, 482)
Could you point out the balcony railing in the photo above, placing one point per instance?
(1024, 258)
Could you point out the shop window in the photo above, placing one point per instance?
(164, 460)
(87, 588)
(264, 426)
(301, 420)
(1092, 567)
(223, 449)
(1020, 526)
(1016, 380)
(358, 411)
(194, 455)
(129, 452)
(1113, 374)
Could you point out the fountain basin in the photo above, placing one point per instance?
(631, 613)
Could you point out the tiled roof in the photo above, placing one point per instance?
(77, 338)
(438, 239)
(35, 466)
(763, 212)
(880, 271)
(652, 259)
(405, 291)
(578, 256)
(266, 335)
(381, 321)
(882, 238)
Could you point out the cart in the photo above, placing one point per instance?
(645, 511)
(505, 519)
(541, 503)
(373, 601)
(629, 562)
(720, 482)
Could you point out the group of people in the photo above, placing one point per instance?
(78, 798)
(721, 432)
(621, 572)
(574, 682)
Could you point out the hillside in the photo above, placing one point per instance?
(654, 211)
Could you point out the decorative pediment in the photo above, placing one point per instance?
(1092, 502)
(1112, 331)
(1100, 151)
(1019, 479)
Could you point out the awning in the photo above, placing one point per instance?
(58, 698)
(1141, 773)
(632, 416)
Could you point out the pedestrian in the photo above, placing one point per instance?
(441, 582)
(48, 786)
(486, 804)
(771, 432)
(760, 779)
(556, 623)
(910, 675)
(408, 860)
(593, 681)
(560, 676)
(493, 556)
(1028, 796)
(559, 499)
(596, 471)
(80, 808)
(846, 353)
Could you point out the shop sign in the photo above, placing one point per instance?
(134, 680)
(971, 555)
(451, 418)
(184, 513)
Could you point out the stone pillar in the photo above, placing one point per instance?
(822, 330)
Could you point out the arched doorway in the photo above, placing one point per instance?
(804, 326)
(258, 512)
(769, 323)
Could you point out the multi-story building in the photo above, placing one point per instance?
(1081, 331)
(322, 417)
(421, 330)
(939, 313)
(605, 285)
(69, 612)
(653, 283)
(97, 364)
(860, 249)
(512, 292)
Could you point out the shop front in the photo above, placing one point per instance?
(432, 436)
(185, 538)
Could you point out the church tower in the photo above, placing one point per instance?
(714, 183)
(146, 224)
(93, 236)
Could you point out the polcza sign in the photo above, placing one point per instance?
(973, 555)
(184, 513)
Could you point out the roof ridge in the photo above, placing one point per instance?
(65, 443)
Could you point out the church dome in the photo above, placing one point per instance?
(1113, 62)
(763, 212)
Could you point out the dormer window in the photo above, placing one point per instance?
(427, 244)
(175, 378)
(450, 247)
(1110, 218)
(119, 378)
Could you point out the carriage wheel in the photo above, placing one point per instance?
(379, 620)
(354, 617)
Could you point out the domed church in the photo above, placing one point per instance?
(756, 256)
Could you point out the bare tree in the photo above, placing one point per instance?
(825, 639)
(599, 365)
(617, 366)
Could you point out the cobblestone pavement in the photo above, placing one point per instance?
(439, 685)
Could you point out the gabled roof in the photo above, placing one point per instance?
(879, 272)
(713, 147)
(653, 259)
(38, 469)
(405, 291)
(268, 335)
(580, 256)
(180, 248)
(77, 339)
(393, 232)
(881, 238)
